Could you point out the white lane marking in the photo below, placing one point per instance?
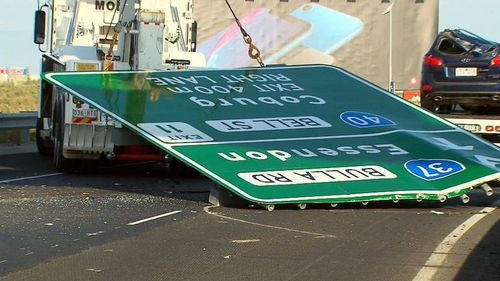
(154, 218)
(439, 254)
(32, 177)
(318, 235)
(246, 241)
(3, 261)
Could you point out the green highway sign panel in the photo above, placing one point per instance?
(293, 134)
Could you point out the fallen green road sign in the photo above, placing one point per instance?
(293, 134)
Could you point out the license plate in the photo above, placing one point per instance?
(470, 127)
(466, 71)
(85, 113)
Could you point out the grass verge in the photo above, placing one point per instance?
(19, 96)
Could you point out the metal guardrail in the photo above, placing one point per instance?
(23, 120)
(21, 123)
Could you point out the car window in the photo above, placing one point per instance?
(449, 46)
(461, 42)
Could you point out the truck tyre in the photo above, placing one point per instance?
(41, 143)
(60, 162)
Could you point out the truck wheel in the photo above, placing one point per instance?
(41, 143)
(60, 162)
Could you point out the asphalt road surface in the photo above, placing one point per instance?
(134, 221)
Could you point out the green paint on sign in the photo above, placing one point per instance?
(293, 134)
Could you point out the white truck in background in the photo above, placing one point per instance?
(96, 35)
(485, 126)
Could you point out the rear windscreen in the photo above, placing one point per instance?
(464, 43)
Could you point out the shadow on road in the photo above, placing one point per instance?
(483, 263)
(144, 178)
(158, 179)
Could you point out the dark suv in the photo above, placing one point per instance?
(461, 70)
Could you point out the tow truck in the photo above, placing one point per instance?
(89, 35)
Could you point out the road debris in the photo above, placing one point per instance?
(94, 270)
(246, 241)
(95, 233)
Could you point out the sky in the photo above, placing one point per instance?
(16, 26)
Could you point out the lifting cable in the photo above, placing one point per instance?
(108, 59)
(253, 51)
